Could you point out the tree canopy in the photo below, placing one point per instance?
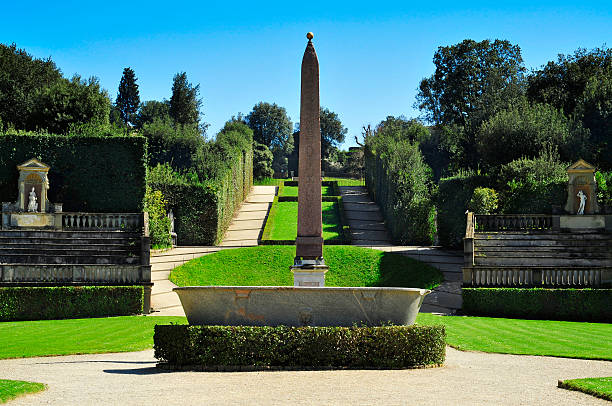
(272, 127)
(128, 97)
(185, 103)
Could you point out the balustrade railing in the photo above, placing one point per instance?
(533, 277)
(102, 221)
(512, 222)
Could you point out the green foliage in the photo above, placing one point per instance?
(581, 85)
(332, 131)
(267, 265)
(159, 223)
(66, 302)
(151, 110)
(128, 97)
(484, 201)
(80, 175)
(272, 127)
(400, 182)
(10, 389)
(41, 338)
(204, 203)
(177, 145)
(526, 130)
(303, 347)
(598, 387)
(604, 189)
(531, 186)
(22, 78)
(453, 199)
(593, 305)
(262, 161)
(184, 106)
(528, 337)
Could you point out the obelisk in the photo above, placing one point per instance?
(309, 267)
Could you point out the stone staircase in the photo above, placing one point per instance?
(366, 223)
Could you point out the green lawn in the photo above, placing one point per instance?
(529, 337)
(283, 221)
(347, 181)
(9, 390)
(293, 191)
(600, 387)
(22, 339)
(268, 265)
(268, 182)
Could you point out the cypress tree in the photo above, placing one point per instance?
(128, 98)
(184, 103)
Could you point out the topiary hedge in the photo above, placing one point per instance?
(537, 303)
(454, 195)
(244, 347)
(69, 302)
(90, 174)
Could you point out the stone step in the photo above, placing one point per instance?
(159, 275)
(528, 250)
(68, 259)
(57, 246)
(67, 252)
(251, 215)
(246, 224)
(356, 198)
(239, 243)
(543, 243)
(544, 254)
(370, 235)
(368, 225)
(68, 241)
(363, 215)
(254, 207)
(541, 236)
(362, 207)
(372, 243)
(67, 234)
(536, 261)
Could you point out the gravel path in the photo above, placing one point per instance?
(468, 378)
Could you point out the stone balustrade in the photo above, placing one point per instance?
(516, 277)
(512, 222)
(102, 221)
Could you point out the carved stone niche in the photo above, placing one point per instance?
(32, 175)
(581, 178)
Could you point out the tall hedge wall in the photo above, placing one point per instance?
(454, 194)
(91, 174)
(398, 180)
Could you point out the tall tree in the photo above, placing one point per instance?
(473, 80)
(185, 102)
(128, 97)
(151, 110)
(332, 131)
(272, 127)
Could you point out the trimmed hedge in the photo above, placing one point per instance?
(69, 302)
(543, 304)
(454, 195)
(232, 347)
(90, 174)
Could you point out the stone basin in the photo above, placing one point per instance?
(300, 306)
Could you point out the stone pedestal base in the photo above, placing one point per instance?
(309, 275)
(33, 220)
(582, 222)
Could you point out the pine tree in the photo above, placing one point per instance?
(184, 103)
(128, 98)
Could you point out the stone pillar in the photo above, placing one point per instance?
(309, 267)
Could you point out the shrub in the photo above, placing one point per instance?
(68, 302)
(533, 186)
(262, 161)
(159, 223)
(399, 181)
(81, 175)
(454, 196)
(604, 190)
(537, 303)
(209, 347)
(484, 201)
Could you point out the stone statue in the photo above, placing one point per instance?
(171, 218)
(583, 199)
(33, 204)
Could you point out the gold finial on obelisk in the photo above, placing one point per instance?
(310, 36)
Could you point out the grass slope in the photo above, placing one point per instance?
(268, 265)
(347, 181)
(9, 390)
(21, 339)
(293, 191)
(529, 337)
(599, 387)
(283, 221)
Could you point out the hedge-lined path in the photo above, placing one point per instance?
(163, 300)
(247, 226)
(468, 378)
(365, 220)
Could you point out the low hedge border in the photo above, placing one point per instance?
(69, 302)
(295, 198)
(593, 305)
(230, 348)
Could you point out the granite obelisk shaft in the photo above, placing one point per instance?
(309, 243)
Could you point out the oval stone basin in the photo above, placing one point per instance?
(300, 306)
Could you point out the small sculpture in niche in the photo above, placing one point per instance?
(583, 199)
(33, 204)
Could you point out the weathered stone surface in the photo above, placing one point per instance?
(299, 306)
(309, 244)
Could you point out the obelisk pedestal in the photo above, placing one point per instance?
(309, 267)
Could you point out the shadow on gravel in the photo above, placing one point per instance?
(137, 371)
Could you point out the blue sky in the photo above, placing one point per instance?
(372, 54)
